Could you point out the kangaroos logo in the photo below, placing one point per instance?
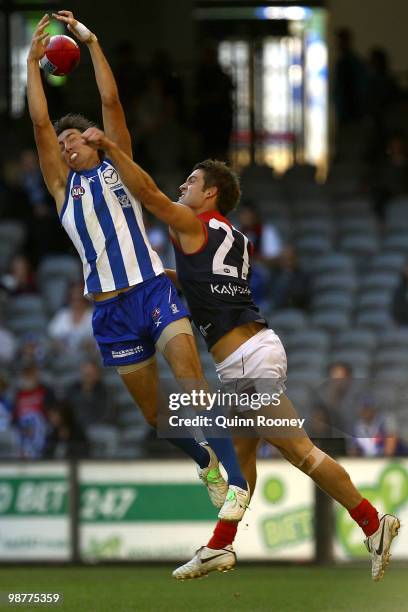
(77, 192)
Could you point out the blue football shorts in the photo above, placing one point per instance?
(127, 326)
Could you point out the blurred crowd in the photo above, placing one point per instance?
(55, 399)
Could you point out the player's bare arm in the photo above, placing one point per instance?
(178, 216)
(114, 121)
(172, 274)
(54, 170)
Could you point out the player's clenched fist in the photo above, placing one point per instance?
(95, 138)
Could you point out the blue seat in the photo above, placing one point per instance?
(378, 319)
(335, 262)
(339, 300)
(393, 338)
(287, 320)
(331, 320)
(308, 339)
(380, 280)
(388, 262)
(356, 338)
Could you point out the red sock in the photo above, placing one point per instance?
(366, 516)
(224, 534)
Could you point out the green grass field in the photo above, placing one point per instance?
(253, 589)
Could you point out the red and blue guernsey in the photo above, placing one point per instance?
(105, 223)
(215, 279)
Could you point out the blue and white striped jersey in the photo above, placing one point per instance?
(105, 223)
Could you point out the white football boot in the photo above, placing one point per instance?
(379, 543)
(207, 560)
(214, 480)
(236, 502)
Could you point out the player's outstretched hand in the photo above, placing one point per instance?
(78, 29)
(95, 138)
(40, 40)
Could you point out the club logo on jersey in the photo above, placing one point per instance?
(77, 192)
(174, 309)
(122, 197)
(110, 176)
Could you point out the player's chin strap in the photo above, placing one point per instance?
(82, 32)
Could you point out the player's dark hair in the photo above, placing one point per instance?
(72, 121)
(75, 121)
(218, 174)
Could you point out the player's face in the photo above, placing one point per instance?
(192, 190)
(76, 154)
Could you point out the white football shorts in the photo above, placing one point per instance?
(259, 363)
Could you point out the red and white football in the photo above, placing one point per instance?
(61, 55)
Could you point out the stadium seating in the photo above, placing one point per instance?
(103, 440)
(358, 358)
(355, 339)
(12, 236)
(357, 225)
(23, 305)
(331, 320)
(339, 263)
(308, 339)
(355, 261)
(9, 444)
(333, 299)
(388, 262)
(286, 321)
(340, 281)
(392, 357)
(312, 245)
(393, 338)
(307, 358)
(377, 319)
(55, 274)
(380, 280)
(374, 299)
(360, 245)
(131, 442)
(396, 242)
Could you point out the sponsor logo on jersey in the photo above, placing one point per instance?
(129, 352)
(77, 192)
(174, 308)
(110, 176)
(229, 289)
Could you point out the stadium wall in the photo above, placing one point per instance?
(155, 511)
